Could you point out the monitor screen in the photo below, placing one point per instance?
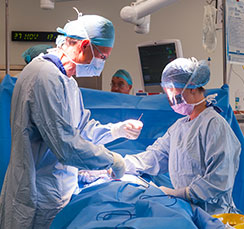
(154, 56)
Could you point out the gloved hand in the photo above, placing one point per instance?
(118, 167)
(181, 192)
(89, 176)
(130, 129)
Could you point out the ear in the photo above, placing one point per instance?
(85, 43)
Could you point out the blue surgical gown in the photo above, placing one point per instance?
(202, 154)
(52, 137)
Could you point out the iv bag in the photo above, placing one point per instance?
(209, 30)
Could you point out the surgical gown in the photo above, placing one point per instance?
(52, 137)
(202, 154)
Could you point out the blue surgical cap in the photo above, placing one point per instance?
(96, 28)
(34, 51)
(124, 75)
(181, 70)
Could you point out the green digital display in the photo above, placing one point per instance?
(34, 36)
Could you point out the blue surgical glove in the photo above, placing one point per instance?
(182, 193)
(118, 167)
(130, 129)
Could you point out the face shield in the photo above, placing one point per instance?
(181, 74)
(175, 95)
(179, 104)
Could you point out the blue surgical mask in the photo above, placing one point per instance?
(95, 68)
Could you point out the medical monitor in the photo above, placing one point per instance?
(153, 57)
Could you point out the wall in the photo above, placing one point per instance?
(181, 20)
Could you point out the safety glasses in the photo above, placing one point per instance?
(174, 99)
(119, 85)
(177, 99)
(102, 56)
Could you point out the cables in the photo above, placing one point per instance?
(143, 197)
(108, 215)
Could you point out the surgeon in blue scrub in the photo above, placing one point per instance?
(200, 151)
(52, 134)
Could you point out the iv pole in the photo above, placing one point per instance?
(6, 37)
(224, 43)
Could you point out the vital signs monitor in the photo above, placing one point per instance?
(153, 57)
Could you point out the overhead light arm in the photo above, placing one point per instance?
(139, 13)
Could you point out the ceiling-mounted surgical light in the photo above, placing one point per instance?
(129, 14)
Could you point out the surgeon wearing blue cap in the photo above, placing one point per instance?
(121, 82)
(52, 134)
(34, 51)
(199, 151)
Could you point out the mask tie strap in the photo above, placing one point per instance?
(84, 29)
(194, 60)
(211, 99)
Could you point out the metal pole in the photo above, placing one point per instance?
(224, 44)
(6, 37)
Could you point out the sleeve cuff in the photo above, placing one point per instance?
(183, 193)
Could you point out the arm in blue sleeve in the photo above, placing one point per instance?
(221, 159)
(51, 114)
(94, 131)
(152, 161)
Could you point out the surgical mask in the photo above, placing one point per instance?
(185, 108)
(94, 68)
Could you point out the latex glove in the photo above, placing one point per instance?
(181, 192)
(118, 167)
(130, 129)
(89, 176)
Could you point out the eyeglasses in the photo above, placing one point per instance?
(174, 99)
(177, 99)
(119, 85)
(102, 56)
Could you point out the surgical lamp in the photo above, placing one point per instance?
(139, 13)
